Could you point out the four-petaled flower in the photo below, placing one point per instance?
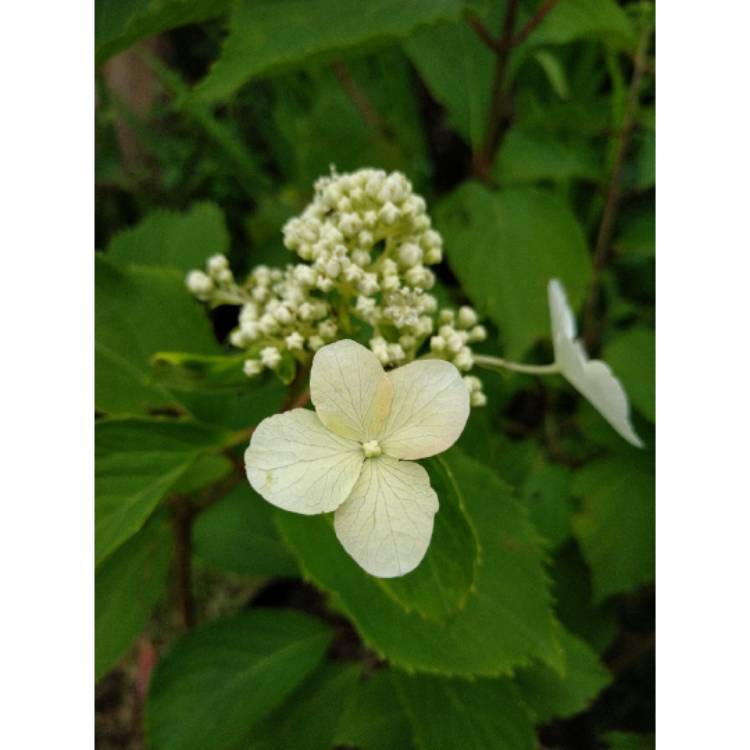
(592, 377)
(354, 454)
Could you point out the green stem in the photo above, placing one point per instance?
(490, 362)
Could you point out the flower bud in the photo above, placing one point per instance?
(252, 367)
(270, 357)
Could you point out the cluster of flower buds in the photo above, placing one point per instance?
(365, 243)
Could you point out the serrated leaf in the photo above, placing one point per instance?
(546, 492)
(238, 534)
(479, 715)
(128, 585)
(632, 355)
(218, 680)
(270, 35)
(441, 583)
(375, 719)
(138, 461)
(551, 695)
(616, 524)
(505, 246)
(173, 240)
(506, 620)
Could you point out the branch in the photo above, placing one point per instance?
(482, 32)
(183, 530)
(533, 22)
(361, 101)
(612, 201)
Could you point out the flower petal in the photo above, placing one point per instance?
(563, 321)
(595, 380)
(297, 464)
(429, 411)
(386, 523)
(350, 390)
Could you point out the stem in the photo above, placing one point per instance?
(534, 21)
(482, 32)
(606, 227)
(183, 530)
(497, 119)
(360, 100)
(485, 361)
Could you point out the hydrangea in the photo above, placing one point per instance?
(355, 454)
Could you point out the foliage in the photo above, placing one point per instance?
(538, 580)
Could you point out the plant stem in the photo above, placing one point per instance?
(485, 361)
(533, 22)
(497, 117)
(361, 101)
(606, 227)
(183, 530)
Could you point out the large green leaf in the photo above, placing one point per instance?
(220, 679)
(238, 534)
(375, 719)
(550, 695)
(140, 311)
(616, 525)
(138, 460)
(441, 583)
(120, 23)
(506, 620)
(479, 715)
(310, 718)
(269, 35)
(505, 246)
(204, 373)
(546, 492)
(128, 585)
(632, 356)
(175, 240)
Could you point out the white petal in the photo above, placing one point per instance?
(429, 411)
(563, 322)
(350, 390)
(595, 380)
(297, 464)
(386, 523)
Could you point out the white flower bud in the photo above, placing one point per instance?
(237, 338)
(361, 257)
(365, 239)
(446, 316)
(391, 283)
(216, 264)
(473, 383)
(324, 284)
(350, 224)
(333, 268)
(305, 311)
(369, 285)
(270, 357)
(396, 353)
(199, 284)
(410, 254)
(294, 341)
(466, 317)
(432, 256)
(454, 343)
(283, 315)
(224, 276)
(389, 213)
(370, 219)
(305, 275)
(477, 398)
(478, 333)
(315, 342)
(268, 324)
(425, 326)
(389, 267)
(437, 344)
(343, 204)
(327, 329)
(252, 367)
(407, 341)
(428, 303)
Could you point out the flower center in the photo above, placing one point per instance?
(371, 449)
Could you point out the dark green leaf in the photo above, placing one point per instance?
(138, 461)
(505, 247)
(173, 240)
(479, 715)
(204, 373)
(128, 585)
(546, 493)
(268, 35)
(629, 741)
(638, 235)
(616, 525)
(238, 534)
(632, 356)
(506, 619)
(441, 584)
(206, 470)
(217, 681)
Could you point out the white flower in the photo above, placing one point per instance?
(199, 284)
(354, 454)
(592, 377)
(294, 341)
(252, 367)
(270, 357)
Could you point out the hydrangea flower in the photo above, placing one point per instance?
(355, 453)
(591, 377)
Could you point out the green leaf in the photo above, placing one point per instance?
(616, 525)
(632, 356)
(506, 620)
(206, 470)
(554, 71)
(505, 247)
(441, 583)
(138, 461)
(550, 695)
(204, 373)
(480, 715)
(175, 240)
(238, 534)
(128, 585)
(571, 20)
(121, 23)
(140, 311)
(629, 741)
(638, 235)
(218, 680)
(375, 719)
(531, 154)
(270, 35)
(546, 493)
(309, 719)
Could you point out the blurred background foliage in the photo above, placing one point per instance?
(529, 127)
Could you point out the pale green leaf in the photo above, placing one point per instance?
(218, 680)
(505, 246)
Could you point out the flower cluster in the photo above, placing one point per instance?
(365, 244)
